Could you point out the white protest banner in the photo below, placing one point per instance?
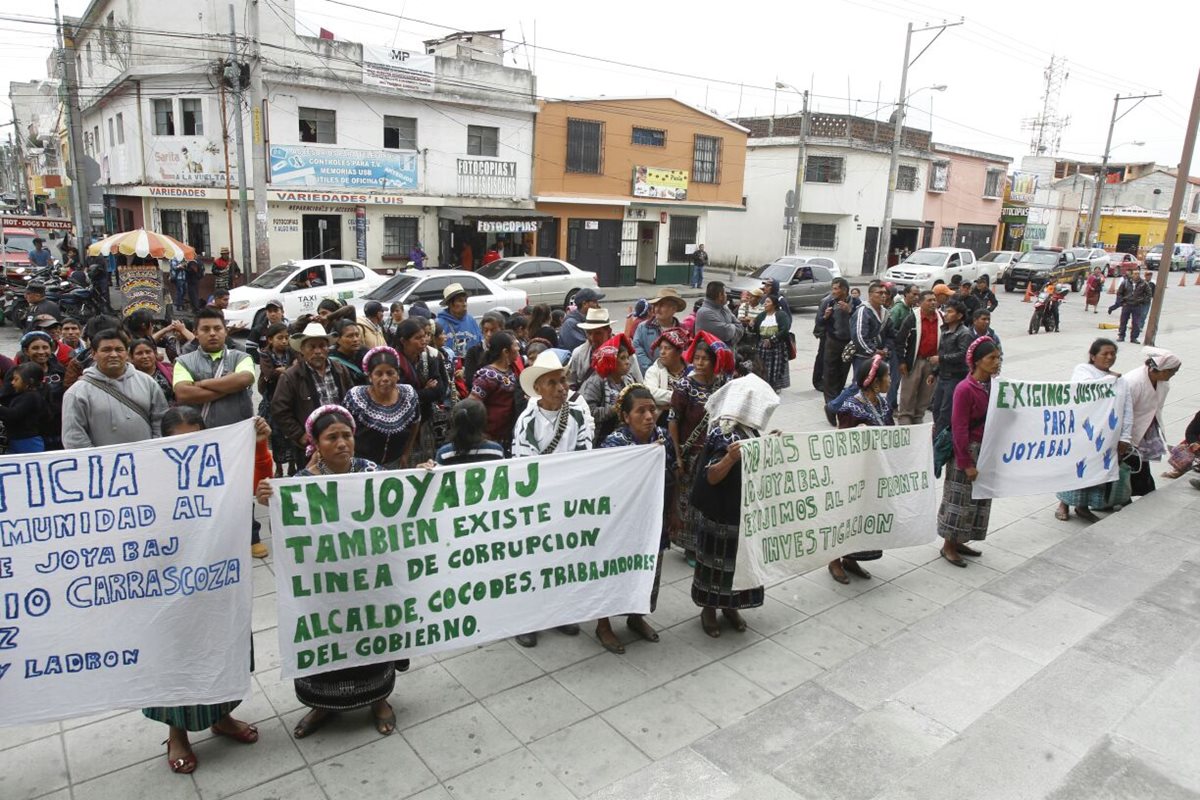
(1048, 436)
(379, 566)
(396, 68)
(808, 498)
(125, 576)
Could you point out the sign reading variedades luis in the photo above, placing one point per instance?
(299, 165)
(808, 498)
(125, 576)
(380, 566)
(1049, 436)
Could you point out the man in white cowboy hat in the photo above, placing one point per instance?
(462, 331)
(665, 309)
(312, 381)
(551, 424)
(597, 328)
(570, 336)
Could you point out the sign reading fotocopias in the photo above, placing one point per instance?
(124, 576)
(1049, 435)
(808, 498)
(380, 566)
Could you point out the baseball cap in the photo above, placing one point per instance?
(588, 296)
(275, 302)
(942, 290)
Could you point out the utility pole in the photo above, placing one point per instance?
(885, 229)
(798, 190)
(258, 143)
(1181, 183)
(79, 185)
(1093, 226)
(233, 72)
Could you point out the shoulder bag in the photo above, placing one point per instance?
(120, 398)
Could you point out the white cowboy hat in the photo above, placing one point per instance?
(313, 330)
(544, 364)
(596, 318)
(667, 293)
(450, 291)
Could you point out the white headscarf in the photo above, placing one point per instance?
(747, 401)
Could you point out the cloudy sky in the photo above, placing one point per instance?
(848, 53)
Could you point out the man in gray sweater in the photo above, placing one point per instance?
(112, 403)
(715, 316)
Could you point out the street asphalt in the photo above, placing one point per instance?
(1062, 664)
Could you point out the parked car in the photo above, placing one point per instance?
(803, 280)
(544, 280)
(302, 285)
(1179, 256)
(483, 294)
(1043, 265)
(1092, 257)
(929, 266)
(999, 261)
(1121, 264)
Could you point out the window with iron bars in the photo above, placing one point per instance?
(906, 179)
(399, 236)
(680, 234)
(823, 169)
(994, 185)
(947, 237)
(585, 146)
(706, 159)
(650, 137)
(818, 236)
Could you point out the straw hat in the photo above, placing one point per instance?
(667, 293)
(313, 330)
(544, 364)
(451, 291)
(596, 318)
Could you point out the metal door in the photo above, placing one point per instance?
(870, 246)
(595, 245)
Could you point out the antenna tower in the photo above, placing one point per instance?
(1047, 127)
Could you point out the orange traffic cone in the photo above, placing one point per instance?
(1183, 279)
(1112, 287)
(1028, 292)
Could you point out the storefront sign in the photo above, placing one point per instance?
(808, 498)
(507, 226)
(299, 165)
(664, 184)
(1014, 213)
(488, 178)
(380, 566)
(189, 160)
(1061, 435)
(1024, 187)
(360, 234)
(408, 70)
(113, 562)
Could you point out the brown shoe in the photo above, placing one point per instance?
(854, 568)
(839, 574)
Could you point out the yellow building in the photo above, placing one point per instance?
(1131, 230)
(628, 183)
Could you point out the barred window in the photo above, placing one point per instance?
(399, 236)
(947, 237)
(823, 169)
(706, 159)
(172, 224)
(651, 137)
(906, 179)
(585, 146)
(680, 234)
(818, 236)
(994, 185)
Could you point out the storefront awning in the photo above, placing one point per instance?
(464, 214)
(907, 223)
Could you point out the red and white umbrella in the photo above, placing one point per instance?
(142, 243)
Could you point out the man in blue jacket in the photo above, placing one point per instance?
(462, 331)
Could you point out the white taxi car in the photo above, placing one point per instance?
(302, 285)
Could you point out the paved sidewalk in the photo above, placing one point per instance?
(1062, 664)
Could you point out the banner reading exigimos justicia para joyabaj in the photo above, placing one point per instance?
(378, 566)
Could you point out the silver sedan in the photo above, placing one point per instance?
(545, 280)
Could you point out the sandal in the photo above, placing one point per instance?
(735, 619)
(184, 765)
(310, 723)
(386, 724)
(958, 562)
(247, 734)
(1086, 513)
(609, 640)
(637, 623)
(712, 628)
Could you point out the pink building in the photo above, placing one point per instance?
(963, 198)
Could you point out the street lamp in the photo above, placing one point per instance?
(884, 246)
(1102, 176)
(793, 243)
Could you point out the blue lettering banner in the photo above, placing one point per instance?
(125, 576)
(382, 170)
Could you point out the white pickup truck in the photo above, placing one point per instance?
(930, 266)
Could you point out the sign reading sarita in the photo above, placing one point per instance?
(808, 498)
(111, 561)
(1058, 435)
(379, 566)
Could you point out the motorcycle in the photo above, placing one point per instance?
(1045, 308)
(73, 300)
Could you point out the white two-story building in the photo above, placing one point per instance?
(842, 195)
(367, 150)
